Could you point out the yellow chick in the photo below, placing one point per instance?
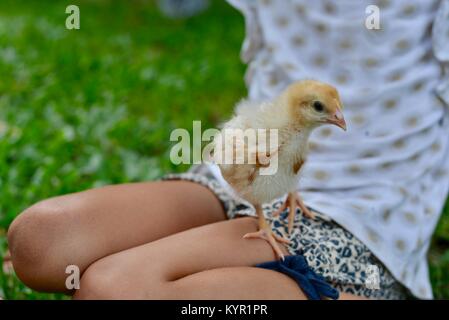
(300, 108)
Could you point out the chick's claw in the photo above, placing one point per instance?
(292, 202)
(268, 235)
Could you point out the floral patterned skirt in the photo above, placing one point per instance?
(330, 250)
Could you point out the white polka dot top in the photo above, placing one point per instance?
(387, 178)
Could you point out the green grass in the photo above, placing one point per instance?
(95, 106)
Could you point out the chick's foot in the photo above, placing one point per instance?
(292, 202)
(268, 235)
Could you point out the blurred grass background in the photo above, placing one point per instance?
(85, 108)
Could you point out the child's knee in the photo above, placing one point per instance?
(34, 239)
(113, 278)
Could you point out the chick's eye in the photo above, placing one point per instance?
(318, 106)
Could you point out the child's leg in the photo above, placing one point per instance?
(241, 283)
(208, 262)
(83, 227)
(153, 270)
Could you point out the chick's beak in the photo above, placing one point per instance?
(337, 119)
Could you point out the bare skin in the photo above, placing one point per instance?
(160, 240)
(83, 227)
